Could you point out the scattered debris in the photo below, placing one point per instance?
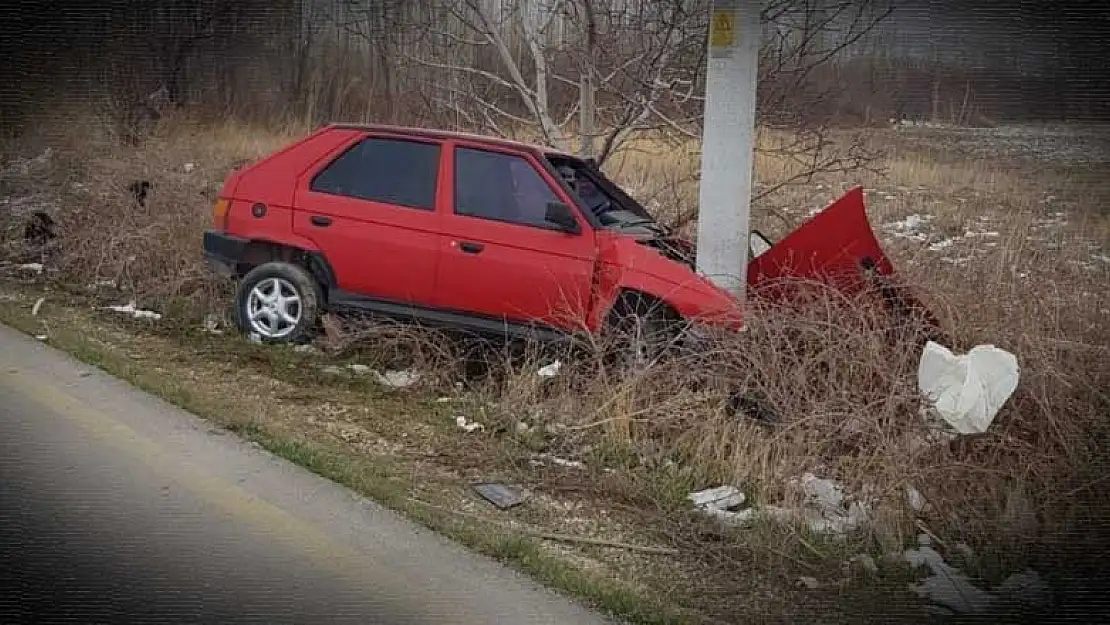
(397, 379)
(306, 348)
(332, 370)
(967, 391)
(809, 582)
(500, 495)
(212, 324)
(523, 428)
(38, 306)
(723, 497)
(137, 313)
(909, 228)
(41, 337)
(723, 503)
(468, 426)
(32, 267)
(189, 167)
(915, 498)
(358, 369)
(825, 511)
(563, 462)
(947, 586)
(551, 370)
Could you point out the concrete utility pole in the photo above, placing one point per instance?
(728, 142)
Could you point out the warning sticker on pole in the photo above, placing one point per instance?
(722, 28)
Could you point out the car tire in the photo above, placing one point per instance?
(278, 302)
(643, 331)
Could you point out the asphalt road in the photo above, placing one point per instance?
(117, 507)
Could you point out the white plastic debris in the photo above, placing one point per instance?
(915, 498)
(41, 337)
(212, 324)
(37, 307)
(810, 583)
(826, 512)
(468, 426)
(138, 313)
(397, 379)
(720, 502)
(563, 462)
(947, 586)
(551, 370)
(358, 369)
(189, 167)
(967, 390)
(724, 497)
(31, 267)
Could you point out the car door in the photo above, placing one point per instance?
(371, 209)
(500, 258)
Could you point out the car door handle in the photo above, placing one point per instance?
(320, 220)
(471, 248)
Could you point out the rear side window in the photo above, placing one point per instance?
(391, 171)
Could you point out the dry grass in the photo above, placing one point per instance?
(1026, 278)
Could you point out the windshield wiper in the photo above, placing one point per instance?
(642, 222)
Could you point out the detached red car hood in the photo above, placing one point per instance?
(832, 247)
(838, 248)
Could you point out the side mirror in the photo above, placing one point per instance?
(757, 243)
(562, 216)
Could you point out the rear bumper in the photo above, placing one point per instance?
(224, 252)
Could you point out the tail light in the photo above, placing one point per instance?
(219, 213)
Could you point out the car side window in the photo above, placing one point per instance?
(391, 171)
(501, 187)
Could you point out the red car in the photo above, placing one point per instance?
(477, 234)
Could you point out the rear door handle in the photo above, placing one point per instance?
(471, 248)
(320, 220)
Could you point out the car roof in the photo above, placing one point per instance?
(433, 133)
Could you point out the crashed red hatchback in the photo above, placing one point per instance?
(479, 234)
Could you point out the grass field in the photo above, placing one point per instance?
(1004, 232)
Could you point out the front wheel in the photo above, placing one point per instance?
(644, 331)
(279, 302)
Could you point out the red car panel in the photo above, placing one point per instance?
(519, 272)
(376, 249)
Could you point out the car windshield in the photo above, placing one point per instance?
(613, 207)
